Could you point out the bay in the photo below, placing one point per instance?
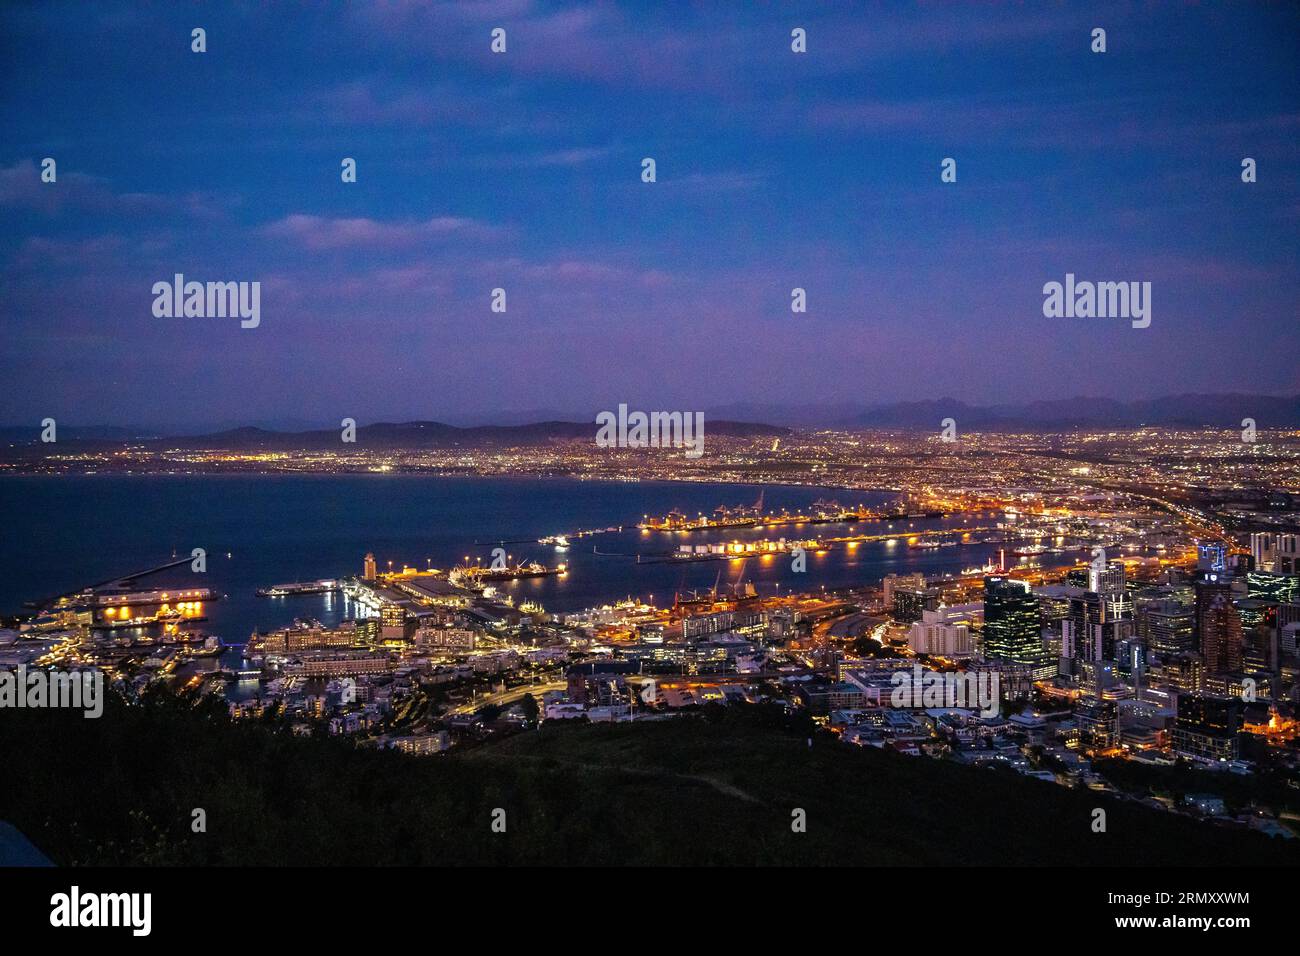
(63, 532)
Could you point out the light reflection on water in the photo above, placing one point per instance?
(264, 530)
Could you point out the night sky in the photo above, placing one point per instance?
(523, 171)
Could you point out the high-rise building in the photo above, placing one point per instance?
(943, 640)
(1221, 636)
(1269, 586)
(1098, 722)
(893, 581)
(1131, 657)
(1168, 627)
(370, 573)
(1012, 622)
(1211, 556)
(910, 603)
(1185, 672)
(1077, 577)
(1286, 554)
(1108, 579)
(1219, 627)
(1206, 727)
(1101, 680)
(1095, 624)
(1261, 549)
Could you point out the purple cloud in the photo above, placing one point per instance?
(322, 232)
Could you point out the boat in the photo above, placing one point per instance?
(530, 570)
(323, 586)
(473, 577)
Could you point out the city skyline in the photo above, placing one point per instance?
(567, 433)
(522, 171)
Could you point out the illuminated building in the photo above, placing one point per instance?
(1279, 553)
(1261, 550)
(1100, 679)
(309, 637)
(1212, 557)
(1108, 579)
(1168, 627)
(822, 698)
(1096, 624)
(1239, 686)
(444, 638)
(1206, 727)
(1220, 631)
(892, 581)
(339, 664)
(600, 683)
(1012, 622)
(911, 603)
(1286, 556)
(944, 640)
(1184, 672)
(700, 626)
(1131, 657)
(1098, 722)
(1268, 586)
(370, 572)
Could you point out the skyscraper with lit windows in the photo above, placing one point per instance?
(1012, 622)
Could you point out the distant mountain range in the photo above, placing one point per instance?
(1188, 411)
(379, 435)
(1180, 411)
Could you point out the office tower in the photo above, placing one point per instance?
(1097, 678)
(1286, 554)
(1186, 672)
(369, 574)
(1220, 629)
(1209, 583)
(1095, 624)
(1260, 642)
(1261, 550)
(899, 580)
(1270, 586)
(1169, 627)
(1206, 727)
(1098, 722)
(1288, 638)
(1212, 557)
(1012, 622)
(1108, 579)
(910, 603)
(1077, 577)
(1131, 657)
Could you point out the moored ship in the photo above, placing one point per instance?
(323, 586)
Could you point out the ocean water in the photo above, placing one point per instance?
(60, 533)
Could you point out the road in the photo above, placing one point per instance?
(509, 696)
